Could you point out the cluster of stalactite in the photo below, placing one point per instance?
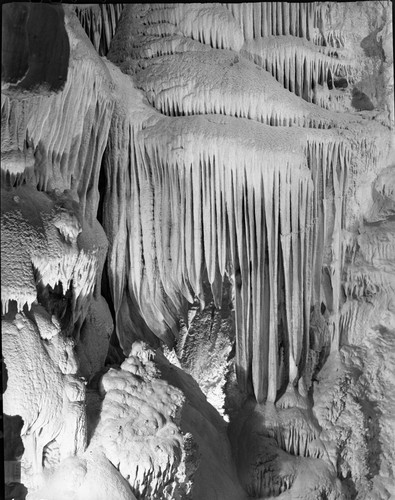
(263, 19)
(56, 150)
(100, 22)
(245, 208)
(299, 65)
(214, 186)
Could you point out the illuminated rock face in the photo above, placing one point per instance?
(44, 390)
(230, 169)
(139, 428)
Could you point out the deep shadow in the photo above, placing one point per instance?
(35, 47)
(360, 101)
(12, 448)
(372, 46)
(15, 47)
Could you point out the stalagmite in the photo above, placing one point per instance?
(137, 405)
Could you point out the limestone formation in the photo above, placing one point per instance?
(197, 272)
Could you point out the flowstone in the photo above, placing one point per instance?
(198, 251)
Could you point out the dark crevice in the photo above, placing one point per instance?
(103, 189)
(56, 301)
(105, 290)
(340, 83)
(99, 23)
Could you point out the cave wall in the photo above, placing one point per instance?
(224, 177)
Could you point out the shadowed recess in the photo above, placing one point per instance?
(35, 47)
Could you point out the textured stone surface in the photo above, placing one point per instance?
(230, 169)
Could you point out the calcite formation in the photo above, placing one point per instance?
(138, 428)
(198, 251)
(44, 390)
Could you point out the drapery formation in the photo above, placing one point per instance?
(226, 179)
(213, 156)
(194, 195)
(227, 172)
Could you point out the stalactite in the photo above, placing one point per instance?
(173, 44)
(61, 143)
(52, 256)
(334, 158)
(210, 24)
(277, 54)
(223, 176)
(255, 205)
(213, 26)
(276, 18)
(247, 202)
(231, 207)
(186, 82)
(100, 23)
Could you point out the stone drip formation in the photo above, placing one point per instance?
(223, 151)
